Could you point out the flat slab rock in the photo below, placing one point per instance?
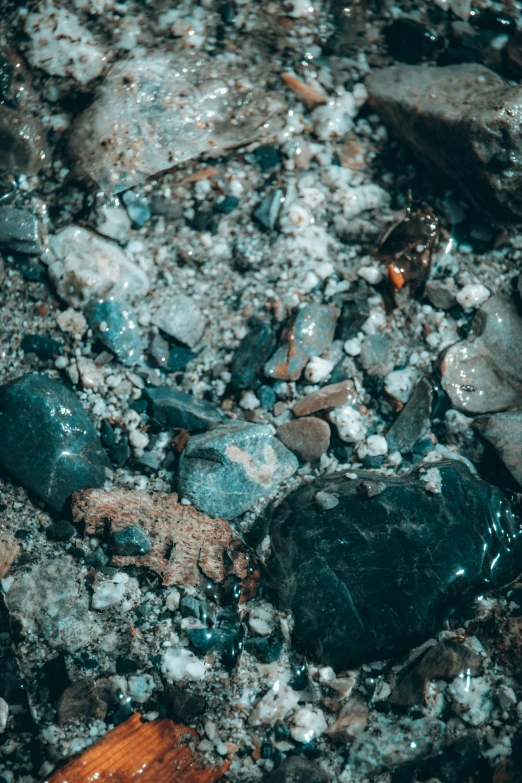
(483, 373)
(225, 471)
(47, 441)
(462, 120)
(374, 575)
(185, 542)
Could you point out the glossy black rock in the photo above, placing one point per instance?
(374, 576)
(47, 440)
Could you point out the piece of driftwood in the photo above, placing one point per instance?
(185, 542)
(156, 752)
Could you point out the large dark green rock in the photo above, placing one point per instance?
(47, 440)
(376, 574)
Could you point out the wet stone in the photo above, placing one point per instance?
(328, 397)
(309, 334)
(115, 325)
(44, 347)
(47, 440)
(504, 432)
(374, 576)
(137, 208)
(182, 705)
(460, 120)
(483, 374)
(180, 410)
(22, 142)
(354, 313)
(20, 231)
(225, 471)
(414, 420)
(131, 542)
(409, 41)
(269, 208)
(181, 318)
(225, 636)
(308, 437)
(252, 353)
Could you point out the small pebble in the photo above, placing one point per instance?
(131, 542)
(307, 437)
(473, 295)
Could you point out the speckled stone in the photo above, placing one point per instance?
(177, 409)
(308, 437)
(181, 318)
(20, 231)
(374, 576)
(309, 334)
(47, 441)
(335, 395)
(116, 326)
(483, 374)
(225, 471)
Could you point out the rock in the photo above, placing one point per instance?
(444, 661)
(296, 769)
(308, 437)
(414, 420)
(185, 543)
(400, 384)
(461, 121)
(252, 353)
(409, 41)
(48, 442)
(179, 357)
(274, 705)
(84, 267)
(392, 744)
(177, 409)
(182, 705)
(20, 231)
(115, 325)
(22, 148)
(375, 575)
(225, 636)
(166, 97)
(60, 531)
(268, 209)
(224, 472)
(48, 602)
(44, 347)
(335, 395)
(504, 432)
(307, 724)
(9, 551)
(131, 541)
(61, 46)
(351, 721)
(483, 374)
(81, 702)
(309, 334)
(350, 424)
(354, 313)
(439, 294)
(181, 664)
(137, 208)
(182, 319)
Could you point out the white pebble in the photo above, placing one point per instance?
(353, 346)
(72, 322)
(372, 274)
(249, 401)
(399, 383)
(473, 295)
(377, 446)
(261, 621)
(108, 593)
(4, 714)
(180, 664)
(349, 423)
(318, 369)
(141, 687)
(90, 374)
(138, 439)
(172, 600)
(307, 724)
(274, 705)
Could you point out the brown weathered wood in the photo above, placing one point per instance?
(155, 752)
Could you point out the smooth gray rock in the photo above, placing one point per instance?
(461, 120)
(225, 471)
(504, 432)
(483, 374)
(181, 318)
(20, 231)
(309, 334)
(47, 440)
(177, 409)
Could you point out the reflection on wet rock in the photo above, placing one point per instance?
(375, 574)
(48, 442)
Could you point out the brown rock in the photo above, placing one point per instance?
(351, 722)
(183, 705)
(184, 541)
(81, 702)
(9, 549)
(327, 398)
(445, 660)
(308, 438)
